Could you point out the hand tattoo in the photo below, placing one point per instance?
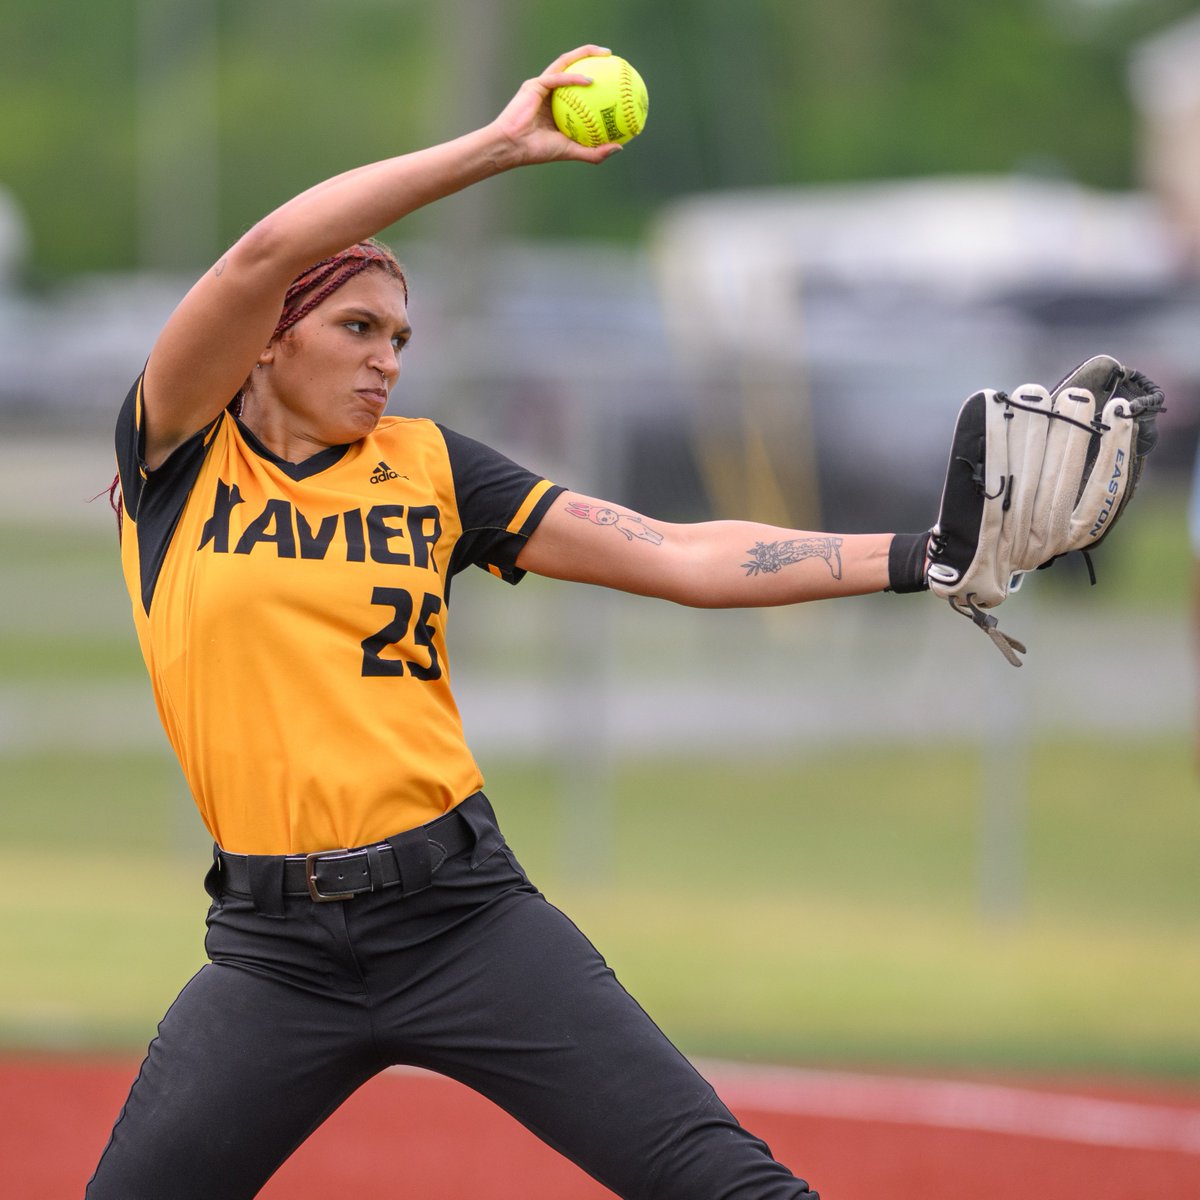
(771, 557)
(624, 523)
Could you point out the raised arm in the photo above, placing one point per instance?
(710, 564)
(213, 339)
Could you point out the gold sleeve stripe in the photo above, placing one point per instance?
(531, 502)
(137, 422)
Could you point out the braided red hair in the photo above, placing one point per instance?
(306, 291)
(322, 279)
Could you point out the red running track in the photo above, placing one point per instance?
(855, 1137)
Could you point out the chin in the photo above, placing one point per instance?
(361, 427)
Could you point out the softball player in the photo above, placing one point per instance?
(289, 554)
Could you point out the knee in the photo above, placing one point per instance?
(713, 1157)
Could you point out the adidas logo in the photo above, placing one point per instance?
(383, 473)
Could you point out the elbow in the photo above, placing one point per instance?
(266, 249)
(700, 580)
(698, 593)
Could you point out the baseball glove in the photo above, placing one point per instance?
(1034, 475)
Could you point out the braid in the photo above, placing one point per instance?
(115, 501)
(334, 279)
(312, 286)
(322, 279)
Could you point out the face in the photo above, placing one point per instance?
(326, 381)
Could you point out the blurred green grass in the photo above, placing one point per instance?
(823, 909)
(825, 906)
(828, 908)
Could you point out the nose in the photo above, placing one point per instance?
(383, 359)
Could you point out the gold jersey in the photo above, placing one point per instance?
(292, 617)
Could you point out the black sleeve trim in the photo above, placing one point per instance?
(491, 492)
(508, 544)
(130, 446)
(154, 500)
(540, 509)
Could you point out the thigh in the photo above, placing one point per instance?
(538, 1022)
(242, 1070)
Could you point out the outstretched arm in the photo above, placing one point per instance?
(211, 342)
(710, 564)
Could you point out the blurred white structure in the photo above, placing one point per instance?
(967, 238)
(1164, 79)
(855, 319)
(14, 240)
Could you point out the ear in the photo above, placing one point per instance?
(267, 355)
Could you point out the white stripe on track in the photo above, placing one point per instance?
(948, 1104)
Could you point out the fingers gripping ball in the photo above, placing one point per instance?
(612, 108)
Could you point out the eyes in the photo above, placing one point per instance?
(364, 328)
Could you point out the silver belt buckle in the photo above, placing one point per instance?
(310, 877)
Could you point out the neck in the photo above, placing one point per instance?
(278, 431)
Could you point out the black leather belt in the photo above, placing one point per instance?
(341, 874)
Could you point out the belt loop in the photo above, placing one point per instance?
(266, 883)
(413, 860)
(477, 812)
(375, 867)
(212, 880)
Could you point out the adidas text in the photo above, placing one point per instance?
(383, 473)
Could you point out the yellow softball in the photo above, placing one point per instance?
(612, 108)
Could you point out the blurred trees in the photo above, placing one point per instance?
(239, 103)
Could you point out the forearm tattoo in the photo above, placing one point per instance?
(771, 557)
